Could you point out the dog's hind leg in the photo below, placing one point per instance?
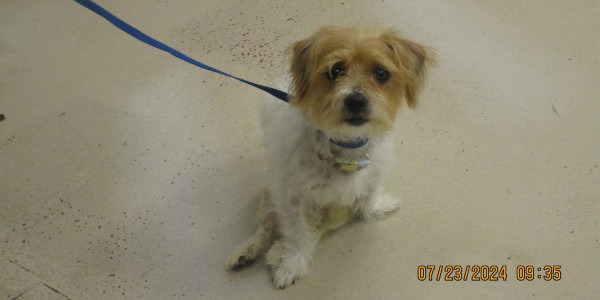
(258, 244)
(377, 206)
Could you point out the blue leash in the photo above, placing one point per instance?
(156, 44)
(91, 5)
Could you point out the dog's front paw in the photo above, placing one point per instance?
(288, 271)
(383, 205)
(285, 270)
(245, 255)
(284, 276)
(238, 261)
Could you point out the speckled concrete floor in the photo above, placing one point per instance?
(127, 174)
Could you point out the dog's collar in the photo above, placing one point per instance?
(350, 165)
(351, 144)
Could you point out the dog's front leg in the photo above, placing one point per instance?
(290, 256)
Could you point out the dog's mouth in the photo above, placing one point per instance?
(356, 120)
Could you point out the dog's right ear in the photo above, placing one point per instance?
(302, 62)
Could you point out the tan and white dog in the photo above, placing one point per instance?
(326, 152)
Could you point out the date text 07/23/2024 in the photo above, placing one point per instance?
(486, 273)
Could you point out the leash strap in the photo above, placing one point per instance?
(156, 44)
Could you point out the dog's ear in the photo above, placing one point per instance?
(302, 65)
(412, 59)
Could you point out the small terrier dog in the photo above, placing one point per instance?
(328, 150)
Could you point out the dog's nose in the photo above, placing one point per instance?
(356, 103)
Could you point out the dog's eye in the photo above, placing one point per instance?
(336, 71)
(381, 75)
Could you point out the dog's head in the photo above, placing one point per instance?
(351, 81)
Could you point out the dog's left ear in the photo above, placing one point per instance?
(412, 59)
(302, 66)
